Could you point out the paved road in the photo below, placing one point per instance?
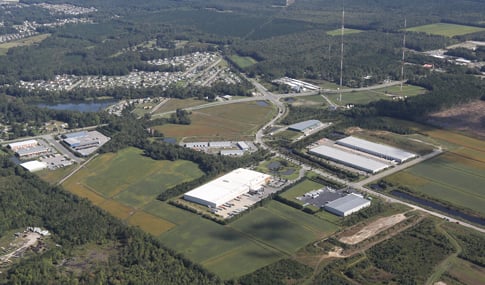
(357, 185)
(275, 98)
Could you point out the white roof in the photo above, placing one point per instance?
(34, 165)
(229, 186)
(22, 143)
(349, 158)
(347, 203)
(301, 126)
(370, 147)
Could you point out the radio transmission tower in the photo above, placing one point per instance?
(341, 52)
(403, 50)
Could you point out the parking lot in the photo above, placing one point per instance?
(243, 202)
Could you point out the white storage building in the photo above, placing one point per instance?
(23, 145)
(34, 166)
(379, 150)
(347, 205)
(227, 187)
(305, 126)
(350, 159)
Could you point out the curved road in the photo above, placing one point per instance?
(357, 185)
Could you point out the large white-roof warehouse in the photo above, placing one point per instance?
(227, 187)
(380, 150)
(350, 159)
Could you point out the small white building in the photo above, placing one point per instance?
(347, 205)
(34, 165)
(23, 145)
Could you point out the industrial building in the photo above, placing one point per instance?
(376, 149)
(85, 143)
(75, 135)
(33, 151)
(23, 145)
(227, 187)
(232, 152)
(220, 144)
(197, 144)
(347, 205)
(243, 146)
(349, 159)
(305, 126)
(34, 166)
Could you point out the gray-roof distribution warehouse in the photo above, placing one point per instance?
(305, 125)
(350, 159)
(347, 205)
(380, 150)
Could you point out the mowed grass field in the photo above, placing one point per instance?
(4, 47)
(123, 183)
(300, 189)
(338, 32)
(456, 177)
(243, 61)
(225, 122)
(445, 29)
(257, 239)
(174, 104)
(365, 97)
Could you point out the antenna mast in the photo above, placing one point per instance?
(341, 51)
(403, 49)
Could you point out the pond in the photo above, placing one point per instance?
(84, 107)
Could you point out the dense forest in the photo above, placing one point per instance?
(133, 256)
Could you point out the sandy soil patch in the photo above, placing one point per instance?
(373, 228)
(21, 244)
(468, 117)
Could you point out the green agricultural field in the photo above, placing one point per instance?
(466, 272)
(124, 182)
(283, 227)
(227, 122)
(257, 239)
(243, 61)
(447, 30)
(365, 97)
(300, 189)
(4, 47)
(338, 32)
(447, 178)
(220, 249)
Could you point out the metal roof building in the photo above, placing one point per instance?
(380, 150)
(23, 144)
(305, 125)
(347, 205)
(350, 159)
(227, 187)
(33, 166)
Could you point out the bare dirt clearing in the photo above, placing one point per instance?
(21, 244)
(468, 117)
(373, 228)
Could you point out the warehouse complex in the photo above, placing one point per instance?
(305, 126)
(84, 142)
(349, 159)
(376, 149)
(347, 205)
(227, 187)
